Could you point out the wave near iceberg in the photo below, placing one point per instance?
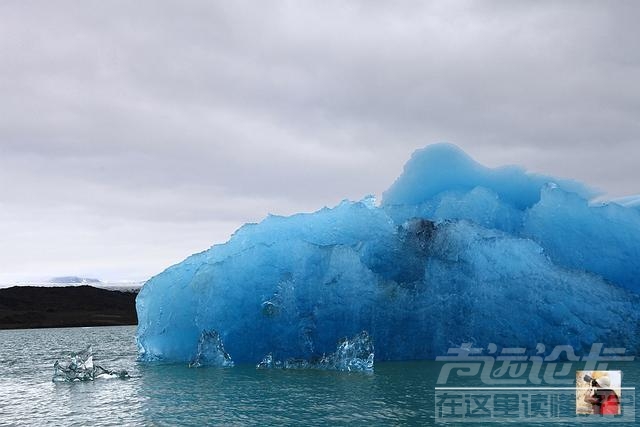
(455, 253)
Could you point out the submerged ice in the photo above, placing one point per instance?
(455, 253)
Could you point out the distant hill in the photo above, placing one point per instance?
(23, 307)
(73, 279)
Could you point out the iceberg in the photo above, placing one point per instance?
(455, 253)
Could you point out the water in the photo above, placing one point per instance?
(399, 393)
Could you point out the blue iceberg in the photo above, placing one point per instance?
(455, 253)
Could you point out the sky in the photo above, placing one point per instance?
(133, 134)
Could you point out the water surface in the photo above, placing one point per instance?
(398, 393)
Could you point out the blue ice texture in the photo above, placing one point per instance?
(455, 253)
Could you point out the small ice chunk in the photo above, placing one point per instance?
(80, 367)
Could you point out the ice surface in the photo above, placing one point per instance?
(80, 367)
(629, 201)
(455, 253)
(211, 351)
(442, 168)
(601, 239)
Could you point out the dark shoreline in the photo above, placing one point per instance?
(28, 307)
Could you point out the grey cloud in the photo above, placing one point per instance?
(173, 113)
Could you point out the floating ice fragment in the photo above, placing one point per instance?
(80, 367)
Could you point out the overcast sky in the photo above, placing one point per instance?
(135, 133)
